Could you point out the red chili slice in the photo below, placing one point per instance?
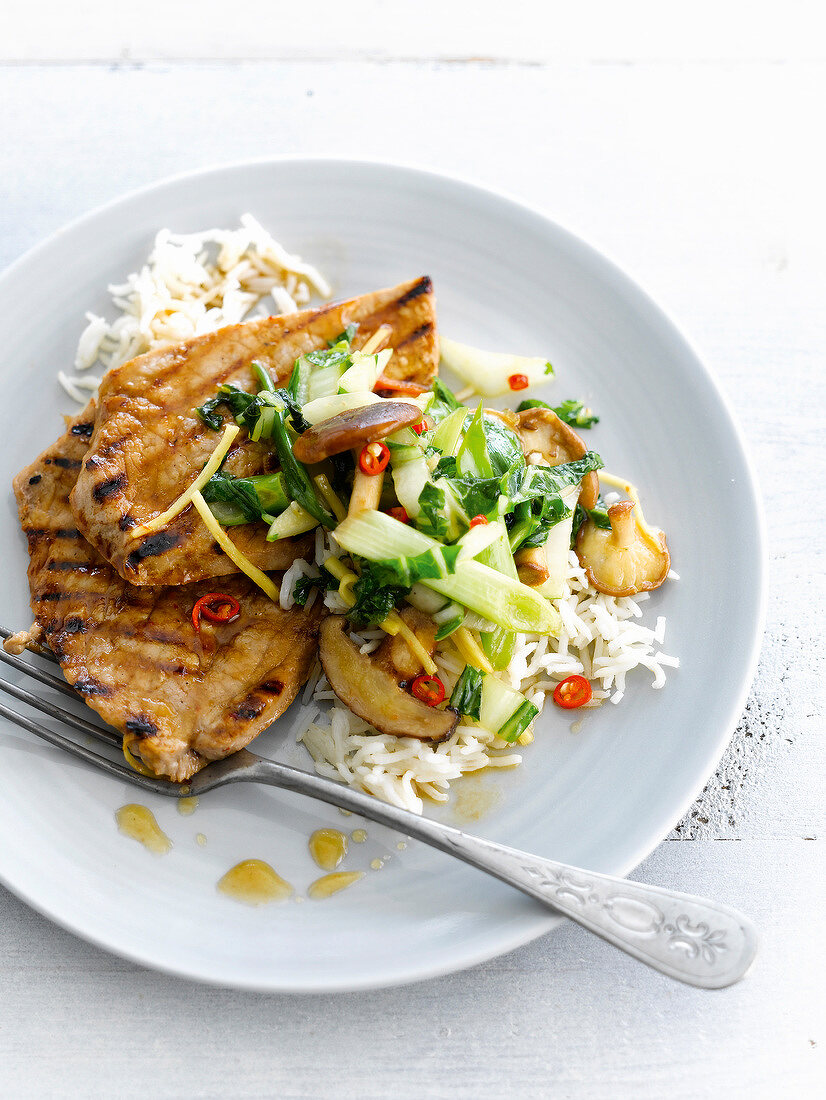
(428, 689)
(215, 607)
(423, 426)
(478, 521)
(374, 458)
(573, 692)
(399, 513)
(519, 381)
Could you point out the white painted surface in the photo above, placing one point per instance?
(704, 180)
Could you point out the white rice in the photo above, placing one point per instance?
(191, 284)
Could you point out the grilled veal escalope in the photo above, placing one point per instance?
(179, 697)
(148, 442)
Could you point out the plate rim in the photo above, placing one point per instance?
(541, 924)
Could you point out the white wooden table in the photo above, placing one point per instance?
(693, 158)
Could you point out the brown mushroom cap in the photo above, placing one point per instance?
(532, 566)
(626, 559)
(542, 430)
(373, 692)
(354, 428)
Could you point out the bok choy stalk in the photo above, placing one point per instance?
(499, 708)
(297, 481)
(448, 434)
(237, 500)
(499, 645)
(488, 371)
(508, 603)
(466, 697)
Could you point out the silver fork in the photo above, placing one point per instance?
(700, 942)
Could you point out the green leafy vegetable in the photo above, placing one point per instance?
(466, 697)
(304, 586)
(237, 500)
(294, 409)
(445, 467)
(432, 519)
(478, 496)
(231, 397)
(443, 403)
(404, 571)
(504, 448)
(296, 479)
(575, 413)
(374, 600)
(472, 457)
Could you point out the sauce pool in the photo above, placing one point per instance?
(328, 847)
(327, 885)
(254, 882)
(138, 822)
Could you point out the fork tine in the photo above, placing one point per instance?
(120, 771)
(38, 673)
(42, 652)
(110, 736)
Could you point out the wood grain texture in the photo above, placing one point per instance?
(705, 183)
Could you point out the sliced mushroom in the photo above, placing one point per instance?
(542, 430)
(626, 559)
(374, 693)
(532, 566)
(354, 428)
(508, 418)
(396, 656)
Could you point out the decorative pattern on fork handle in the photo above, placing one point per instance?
(690, 938)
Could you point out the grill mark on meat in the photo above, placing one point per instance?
(148, 633)
(248, 708)
(69, 567)
(34, 480)
(423, 286)
(67, 533)
(108, 488)
(127, 521)
(272, 687)
(84, 429)
(112, 449)
(417, 334)
(141, 726)
(88, 685)
(152, 548)
(68, 463)
(75, 625)
(54, 597)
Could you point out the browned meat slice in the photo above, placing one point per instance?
(149, 445)
(180, 698)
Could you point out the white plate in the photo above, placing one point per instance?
(507, 278)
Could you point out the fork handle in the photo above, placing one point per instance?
(697, 941)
